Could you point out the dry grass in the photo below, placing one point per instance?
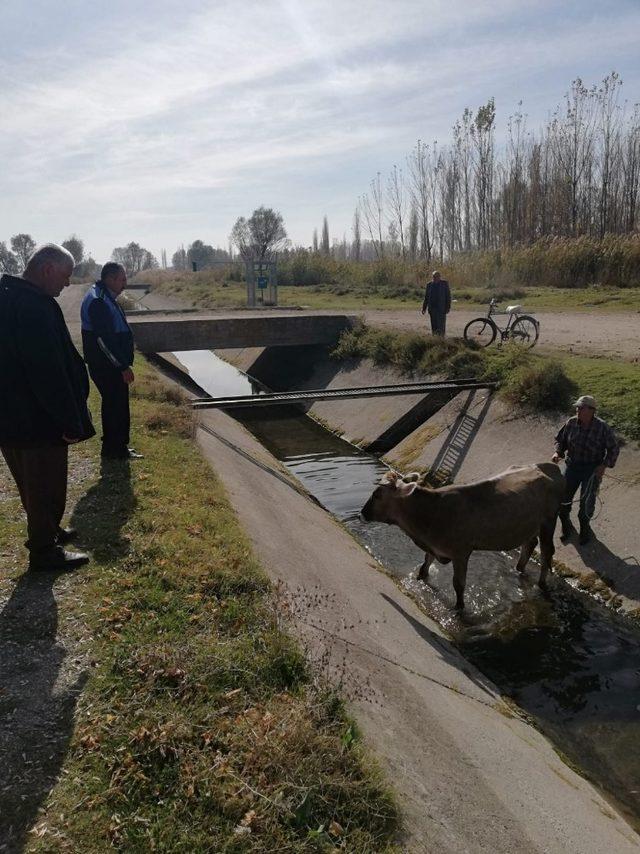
(202, 727)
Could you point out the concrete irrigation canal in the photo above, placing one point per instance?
(571, 663)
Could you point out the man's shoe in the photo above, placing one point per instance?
(585, 533)
(56, 560)
(124, 454)
(66, 535)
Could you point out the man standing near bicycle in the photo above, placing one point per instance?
(437, 301)
(590, 446)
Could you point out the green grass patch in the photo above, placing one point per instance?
(207, 290)
(616, 387)
(201, 727)
(529, 381)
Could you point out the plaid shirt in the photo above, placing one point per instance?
(593, 444)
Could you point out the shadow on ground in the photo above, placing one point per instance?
(621, 573)
(104, 509)
(41, 673)
(38, 696)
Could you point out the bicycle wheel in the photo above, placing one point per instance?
(481, 331)
(524, 331)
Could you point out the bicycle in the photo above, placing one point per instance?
(521, 328)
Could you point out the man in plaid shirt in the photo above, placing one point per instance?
(590, 446)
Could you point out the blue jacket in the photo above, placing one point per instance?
(107, 340)
(43, 380)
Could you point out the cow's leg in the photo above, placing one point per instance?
(547, 530)
(423, 572)
(460, 579)
(525, 553)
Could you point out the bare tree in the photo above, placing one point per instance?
(134, 258)
(631, 172)
(74, 245)
(22, 246)
(421, 174)
(483, 136)
(179, 259)
(356, 244)
(8, 261)
(608, 140)
(372, 207)
(261, 236)
(573, 145)
(396, 198)
(414, 231)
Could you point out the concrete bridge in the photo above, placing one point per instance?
(219, 332)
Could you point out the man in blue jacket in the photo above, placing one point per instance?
(437, 301)
(43, 401)
(107, 342)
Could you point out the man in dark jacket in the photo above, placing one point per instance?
(437, 301)
(43, 401)
(107, 342)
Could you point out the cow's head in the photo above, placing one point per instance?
(382, 505)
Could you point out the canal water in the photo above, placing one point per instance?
(570, 662)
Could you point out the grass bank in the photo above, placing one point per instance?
(208, 290)
(528, 380)
(201, 727)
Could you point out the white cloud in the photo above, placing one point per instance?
(236, 99)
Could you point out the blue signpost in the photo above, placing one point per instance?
(262, 279)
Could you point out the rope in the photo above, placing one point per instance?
(593, 486)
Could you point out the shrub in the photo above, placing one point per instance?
(527, 380)
(542, 386)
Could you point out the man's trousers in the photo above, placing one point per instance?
(438, 322)
(41, 477)
(114, 409)
(580, 475)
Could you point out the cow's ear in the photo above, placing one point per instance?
(412, 477)
(406, 489)
(390, 477)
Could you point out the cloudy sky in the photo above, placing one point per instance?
(164, 121)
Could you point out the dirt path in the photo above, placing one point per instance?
(615, 336)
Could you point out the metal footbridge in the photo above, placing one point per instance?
(293, 397)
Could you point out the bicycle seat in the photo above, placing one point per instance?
(514, 309)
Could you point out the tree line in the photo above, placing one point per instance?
(578, 175)
(14, 257)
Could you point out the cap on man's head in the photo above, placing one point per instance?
(586, 400)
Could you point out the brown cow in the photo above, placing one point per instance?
(509, 510)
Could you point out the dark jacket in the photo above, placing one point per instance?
(107, 340)
(43, 380)
(437, 297)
